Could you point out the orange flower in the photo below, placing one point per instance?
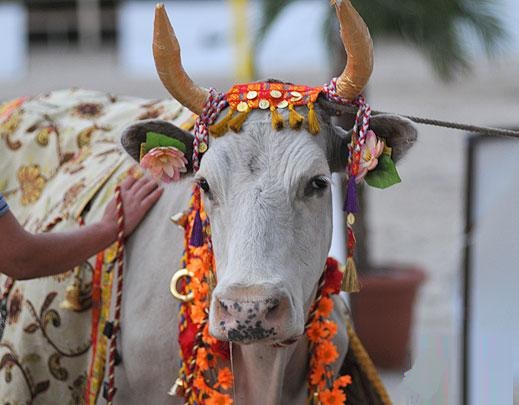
(197, 314)
(327, 352)
(200, 383)
(196, 266)
(316, 374)
(207, 338)
(201, 359)
(332, 397)
(325, 307)
(314, 332)
(215, 398)
(342, 381)
(330, 329)
(200, 251)
(225, 378)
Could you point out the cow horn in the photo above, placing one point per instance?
(166, 52)
(359, 48)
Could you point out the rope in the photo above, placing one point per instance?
(119, 294)
(367, 366)
(489, 131)
(213, 106)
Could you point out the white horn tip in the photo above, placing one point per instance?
(159, 6)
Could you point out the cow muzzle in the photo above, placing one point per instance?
(250, 314)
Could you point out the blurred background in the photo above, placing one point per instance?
(455, 60)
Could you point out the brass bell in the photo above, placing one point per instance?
(180, 219)
(177, 389)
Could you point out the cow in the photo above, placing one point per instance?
(268, 198)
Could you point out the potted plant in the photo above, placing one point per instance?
(388, 293)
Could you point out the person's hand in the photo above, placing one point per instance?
(138, 197)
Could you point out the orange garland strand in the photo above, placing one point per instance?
(199, 350)
(200, 353)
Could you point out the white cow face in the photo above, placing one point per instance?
(268, 199)
(267, 195)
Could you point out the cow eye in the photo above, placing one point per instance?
(320, 183)
(204, 185)
(317, 185)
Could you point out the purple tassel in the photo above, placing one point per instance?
(351, 204)
(197, 233)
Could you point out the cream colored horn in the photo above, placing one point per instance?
(359, 48)
(166, 52)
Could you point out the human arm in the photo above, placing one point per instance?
(24, 255)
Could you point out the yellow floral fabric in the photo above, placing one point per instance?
(60, 160)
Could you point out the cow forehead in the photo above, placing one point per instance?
(259, 150)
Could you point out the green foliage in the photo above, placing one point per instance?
(434, 27)
(384, 175)
(154, 140)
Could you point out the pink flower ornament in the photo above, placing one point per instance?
(369, 154)
(165, 163)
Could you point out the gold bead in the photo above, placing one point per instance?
(242, 106)
(276, 93)
(296, 96)
(251, 95)
(264, 104)
(202, 147)
(350, 218)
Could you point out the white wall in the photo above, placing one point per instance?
(13, 38)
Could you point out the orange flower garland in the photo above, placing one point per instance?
(323, 353)
(201, 353)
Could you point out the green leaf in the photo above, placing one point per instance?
(154, 140)
(384, 175)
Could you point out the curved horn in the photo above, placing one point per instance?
(166, 52)
(359, 48)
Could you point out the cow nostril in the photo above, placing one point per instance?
(272, 309)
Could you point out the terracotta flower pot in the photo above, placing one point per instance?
(383, 313)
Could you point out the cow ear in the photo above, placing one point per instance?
(135, 135)
(398, 133)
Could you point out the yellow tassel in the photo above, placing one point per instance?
(277, 118)
(350, 281)
(221, 127)
(313, 121)
(294, 118)
(237, 121)
(189, 124)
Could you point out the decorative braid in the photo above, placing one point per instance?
(192, 364)
(367, 365)
(119, 294)
(213, 106)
